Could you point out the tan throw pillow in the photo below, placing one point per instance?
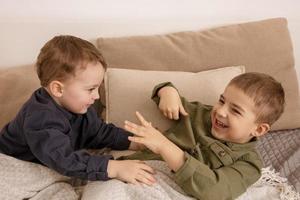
(128, 91)
(16, 86)
(262, 46)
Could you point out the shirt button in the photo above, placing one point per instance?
(222, 153)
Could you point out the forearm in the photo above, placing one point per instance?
(173, 155)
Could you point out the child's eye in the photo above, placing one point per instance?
(221, 101)
(91, 89)
(236, 111)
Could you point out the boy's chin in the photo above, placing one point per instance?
(80, 112)
(217, 135)
(214, 133)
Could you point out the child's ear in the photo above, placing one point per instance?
(261, 129)
(56, 88)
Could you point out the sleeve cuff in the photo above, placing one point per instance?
(122, 142)
(187, 169)
(97, 167)
(154, 95)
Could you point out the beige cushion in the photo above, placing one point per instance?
(263, 46)
(16, 86)
(128, 91)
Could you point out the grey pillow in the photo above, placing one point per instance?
(281, 149)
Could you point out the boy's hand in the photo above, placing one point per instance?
(146, 134)
(170, 103)
(139, 172)
(156, 142)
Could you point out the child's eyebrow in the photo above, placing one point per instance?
(233, 104)
(93, 86)
(238, 107)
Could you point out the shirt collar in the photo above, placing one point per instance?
(249, 145)
(69, 115)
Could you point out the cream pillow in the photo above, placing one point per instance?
(129, 90)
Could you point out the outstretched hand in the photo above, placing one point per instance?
(146, 134)
(154, 140)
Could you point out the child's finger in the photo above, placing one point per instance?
(136, 139)
(165, 114)
(143, 179)
(135, 130)
(130, 126)
(142, 119)
(135, 182)
(182, 111)
(170, 116)
(148, 168)
(176, 114)
(135, 126)
(148, 177)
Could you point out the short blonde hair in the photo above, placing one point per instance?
(267, 94)
(62, 55)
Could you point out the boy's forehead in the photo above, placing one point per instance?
(87, 73)
(238, 97)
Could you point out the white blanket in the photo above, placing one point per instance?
(25, 180)
(269, 186)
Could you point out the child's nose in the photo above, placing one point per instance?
(96, 95)
(222, 111)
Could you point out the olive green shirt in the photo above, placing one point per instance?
(213, 169)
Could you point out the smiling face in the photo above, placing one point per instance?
(233, 117)
(79, 92)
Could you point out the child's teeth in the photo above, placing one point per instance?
(220, 123)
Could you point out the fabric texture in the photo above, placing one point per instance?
(16, 86)
(262, 46)
(24, 180)
(280, 149)
(269, 186)
(128, 91)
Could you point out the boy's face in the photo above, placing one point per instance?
(233, 117)
(81, 91)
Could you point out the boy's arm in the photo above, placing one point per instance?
(156, 89)
(156, 142)
(50, 143)
(227, 182)
(98, 134)
(166, 96)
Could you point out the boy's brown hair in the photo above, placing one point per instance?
(265, 91)
(62, 55)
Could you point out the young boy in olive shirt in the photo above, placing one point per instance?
(211, 150)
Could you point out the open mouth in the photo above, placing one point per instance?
(220, 124)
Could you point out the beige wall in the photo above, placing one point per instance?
(25, 25)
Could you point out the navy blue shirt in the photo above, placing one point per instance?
(44, 132)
